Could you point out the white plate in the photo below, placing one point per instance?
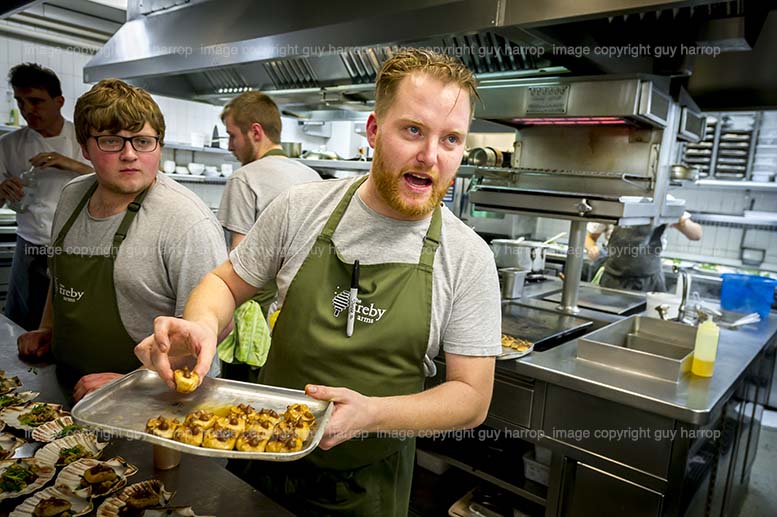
(53, 430)
(49, 453)
(44, 473)
(11, 415)
(72, 475)
(79, 505)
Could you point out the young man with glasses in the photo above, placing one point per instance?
(48, 148)
(129, 244)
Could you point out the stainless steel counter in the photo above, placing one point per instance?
(202, 483)
(693, 400)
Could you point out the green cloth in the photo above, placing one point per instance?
(249, 341)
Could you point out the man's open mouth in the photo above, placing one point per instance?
(417, 180)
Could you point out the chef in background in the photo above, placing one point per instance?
(129, 243)
(48, 144)
(633, 253)
(415, 295)
(253, 124)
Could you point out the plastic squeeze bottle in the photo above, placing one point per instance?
(707, 336)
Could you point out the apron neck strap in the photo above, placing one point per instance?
(273, 152)
(431, 239)
(72, 219)
(334, 218)
(132, 210)
(121, 233)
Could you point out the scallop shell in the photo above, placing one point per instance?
(71, 475)
(8, 383)
(10, 415)
(44, 473)
(22, 396)
(49, 431)
(112, 506)
(80, 506)
(8, 444)
(49, 453)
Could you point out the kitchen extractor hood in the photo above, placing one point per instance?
(311, 57)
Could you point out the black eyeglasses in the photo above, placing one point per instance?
(115, 143)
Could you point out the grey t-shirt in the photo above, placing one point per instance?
(466, 309)
(251, 188)
(172, 243)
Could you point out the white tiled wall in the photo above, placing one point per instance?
(182, 117)
(726, 241)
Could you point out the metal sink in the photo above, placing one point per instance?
(642, 345)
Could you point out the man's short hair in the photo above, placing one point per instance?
(113, 105)
(250, 107)
(411, 60)
(32, 75)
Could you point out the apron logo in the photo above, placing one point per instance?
(68, 293)
(364, 313)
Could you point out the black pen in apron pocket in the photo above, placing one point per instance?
(352, 299)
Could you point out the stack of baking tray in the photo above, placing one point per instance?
(699, 154)
(545, 329)
(735, 145)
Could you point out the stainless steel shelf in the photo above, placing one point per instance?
(733, 185)
(186, 147)
(342, 165)
(186, 178)
(734, 219)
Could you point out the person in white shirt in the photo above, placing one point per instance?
(47, 147)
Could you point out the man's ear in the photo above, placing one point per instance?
(60, 101)
(372, 129)
(85, 152)
(256, 132)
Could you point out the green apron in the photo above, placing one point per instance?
(383, 357)
(89, 336)
(235, 369)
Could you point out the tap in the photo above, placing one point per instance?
(682, 311)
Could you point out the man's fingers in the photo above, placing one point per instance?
(325, 392)
(42, 350)
(161, 363)
(162, 333)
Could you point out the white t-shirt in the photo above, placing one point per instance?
(466, 307)
(16, 149)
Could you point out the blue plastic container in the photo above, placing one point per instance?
(747, 293)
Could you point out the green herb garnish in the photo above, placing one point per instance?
(16, 478)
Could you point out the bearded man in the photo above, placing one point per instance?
(426, 281)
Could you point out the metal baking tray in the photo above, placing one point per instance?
(544, 329)
(122, 408)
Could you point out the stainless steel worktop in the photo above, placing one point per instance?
(694, 400)
(203, 483)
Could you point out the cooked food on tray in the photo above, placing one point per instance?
(189, 434)
(161, 426)
(186, 381)
(243, 428)
(521, 345)
(218, 437)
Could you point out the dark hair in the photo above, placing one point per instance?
(32, 75)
